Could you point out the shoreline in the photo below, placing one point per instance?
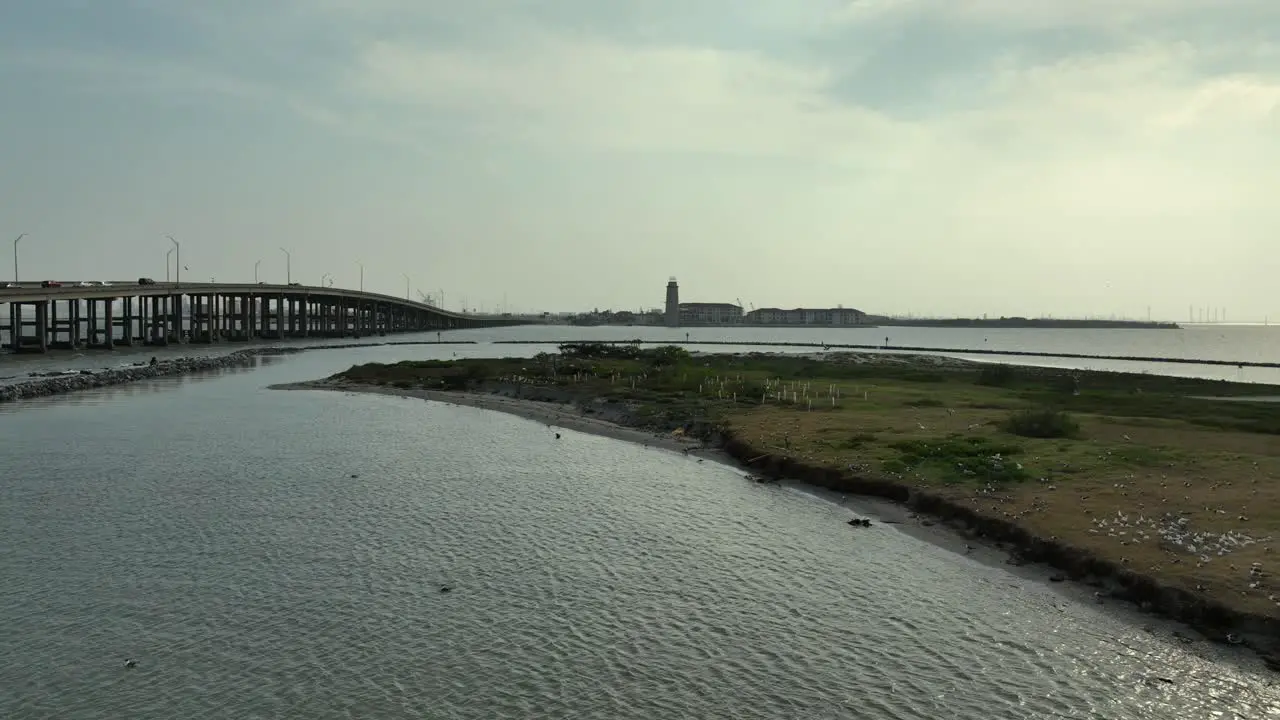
(887, 349)
(548, 413)
(1069, 572)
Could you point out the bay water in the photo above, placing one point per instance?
(274, 554)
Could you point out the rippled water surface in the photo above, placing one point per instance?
(213, 530)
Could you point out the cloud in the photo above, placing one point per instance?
(987, 132)
(1037, 14)
(593, 93)
(602, 95)
(122, 73)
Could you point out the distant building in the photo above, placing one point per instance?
(710, 314)
(806, 316)
(673, 303)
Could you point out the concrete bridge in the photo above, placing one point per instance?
(105, 315)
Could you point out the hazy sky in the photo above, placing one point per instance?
(936, 156)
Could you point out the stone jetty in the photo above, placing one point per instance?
(56, 383)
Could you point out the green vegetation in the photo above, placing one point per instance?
(719, 384)
(958, 458)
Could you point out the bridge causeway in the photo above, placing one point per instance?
(103, 316)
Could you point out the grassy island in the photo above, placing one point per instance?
(1160, 490)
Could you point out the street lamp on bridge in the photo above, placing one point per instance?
(166, 264)
(255, 270)
(15, 255)
(406, 286)
(322, 277)
(177, 260)
(361, 275)
(288, 266)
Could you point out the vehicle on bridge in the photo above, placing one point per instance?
(146, 281)
(50, 284)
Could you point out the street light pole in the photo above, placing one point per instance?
(322, 277)
(288, 266)
(255, 270)
(406, 286)
(15, 256)
(166, 264)
(177, 260)
(361, 275)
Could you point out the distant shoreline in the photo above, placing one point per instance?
(1021, 323)
(936, 351)
(876, 322)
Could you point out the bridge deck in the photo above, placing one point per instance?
(76, 315)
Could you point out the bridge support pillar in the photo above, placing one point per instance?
(212, 332)
(74, 336)
(129, 318)
(42, 325)
(157, 334)
(126, 310)
(15, 326)
(176, 308)
(54, 325)
(108, 324)
(91, 324)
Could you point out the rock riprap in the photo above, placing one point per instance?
(56, 383)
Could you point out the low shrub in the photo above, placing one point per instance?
(926, 403)
(996, 375)
(1041, 424)
(961, 458)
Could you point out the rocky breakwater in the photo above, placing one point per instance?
(56, 383)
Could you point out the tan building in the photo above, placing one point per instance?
(806, 316)
(710, 314)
